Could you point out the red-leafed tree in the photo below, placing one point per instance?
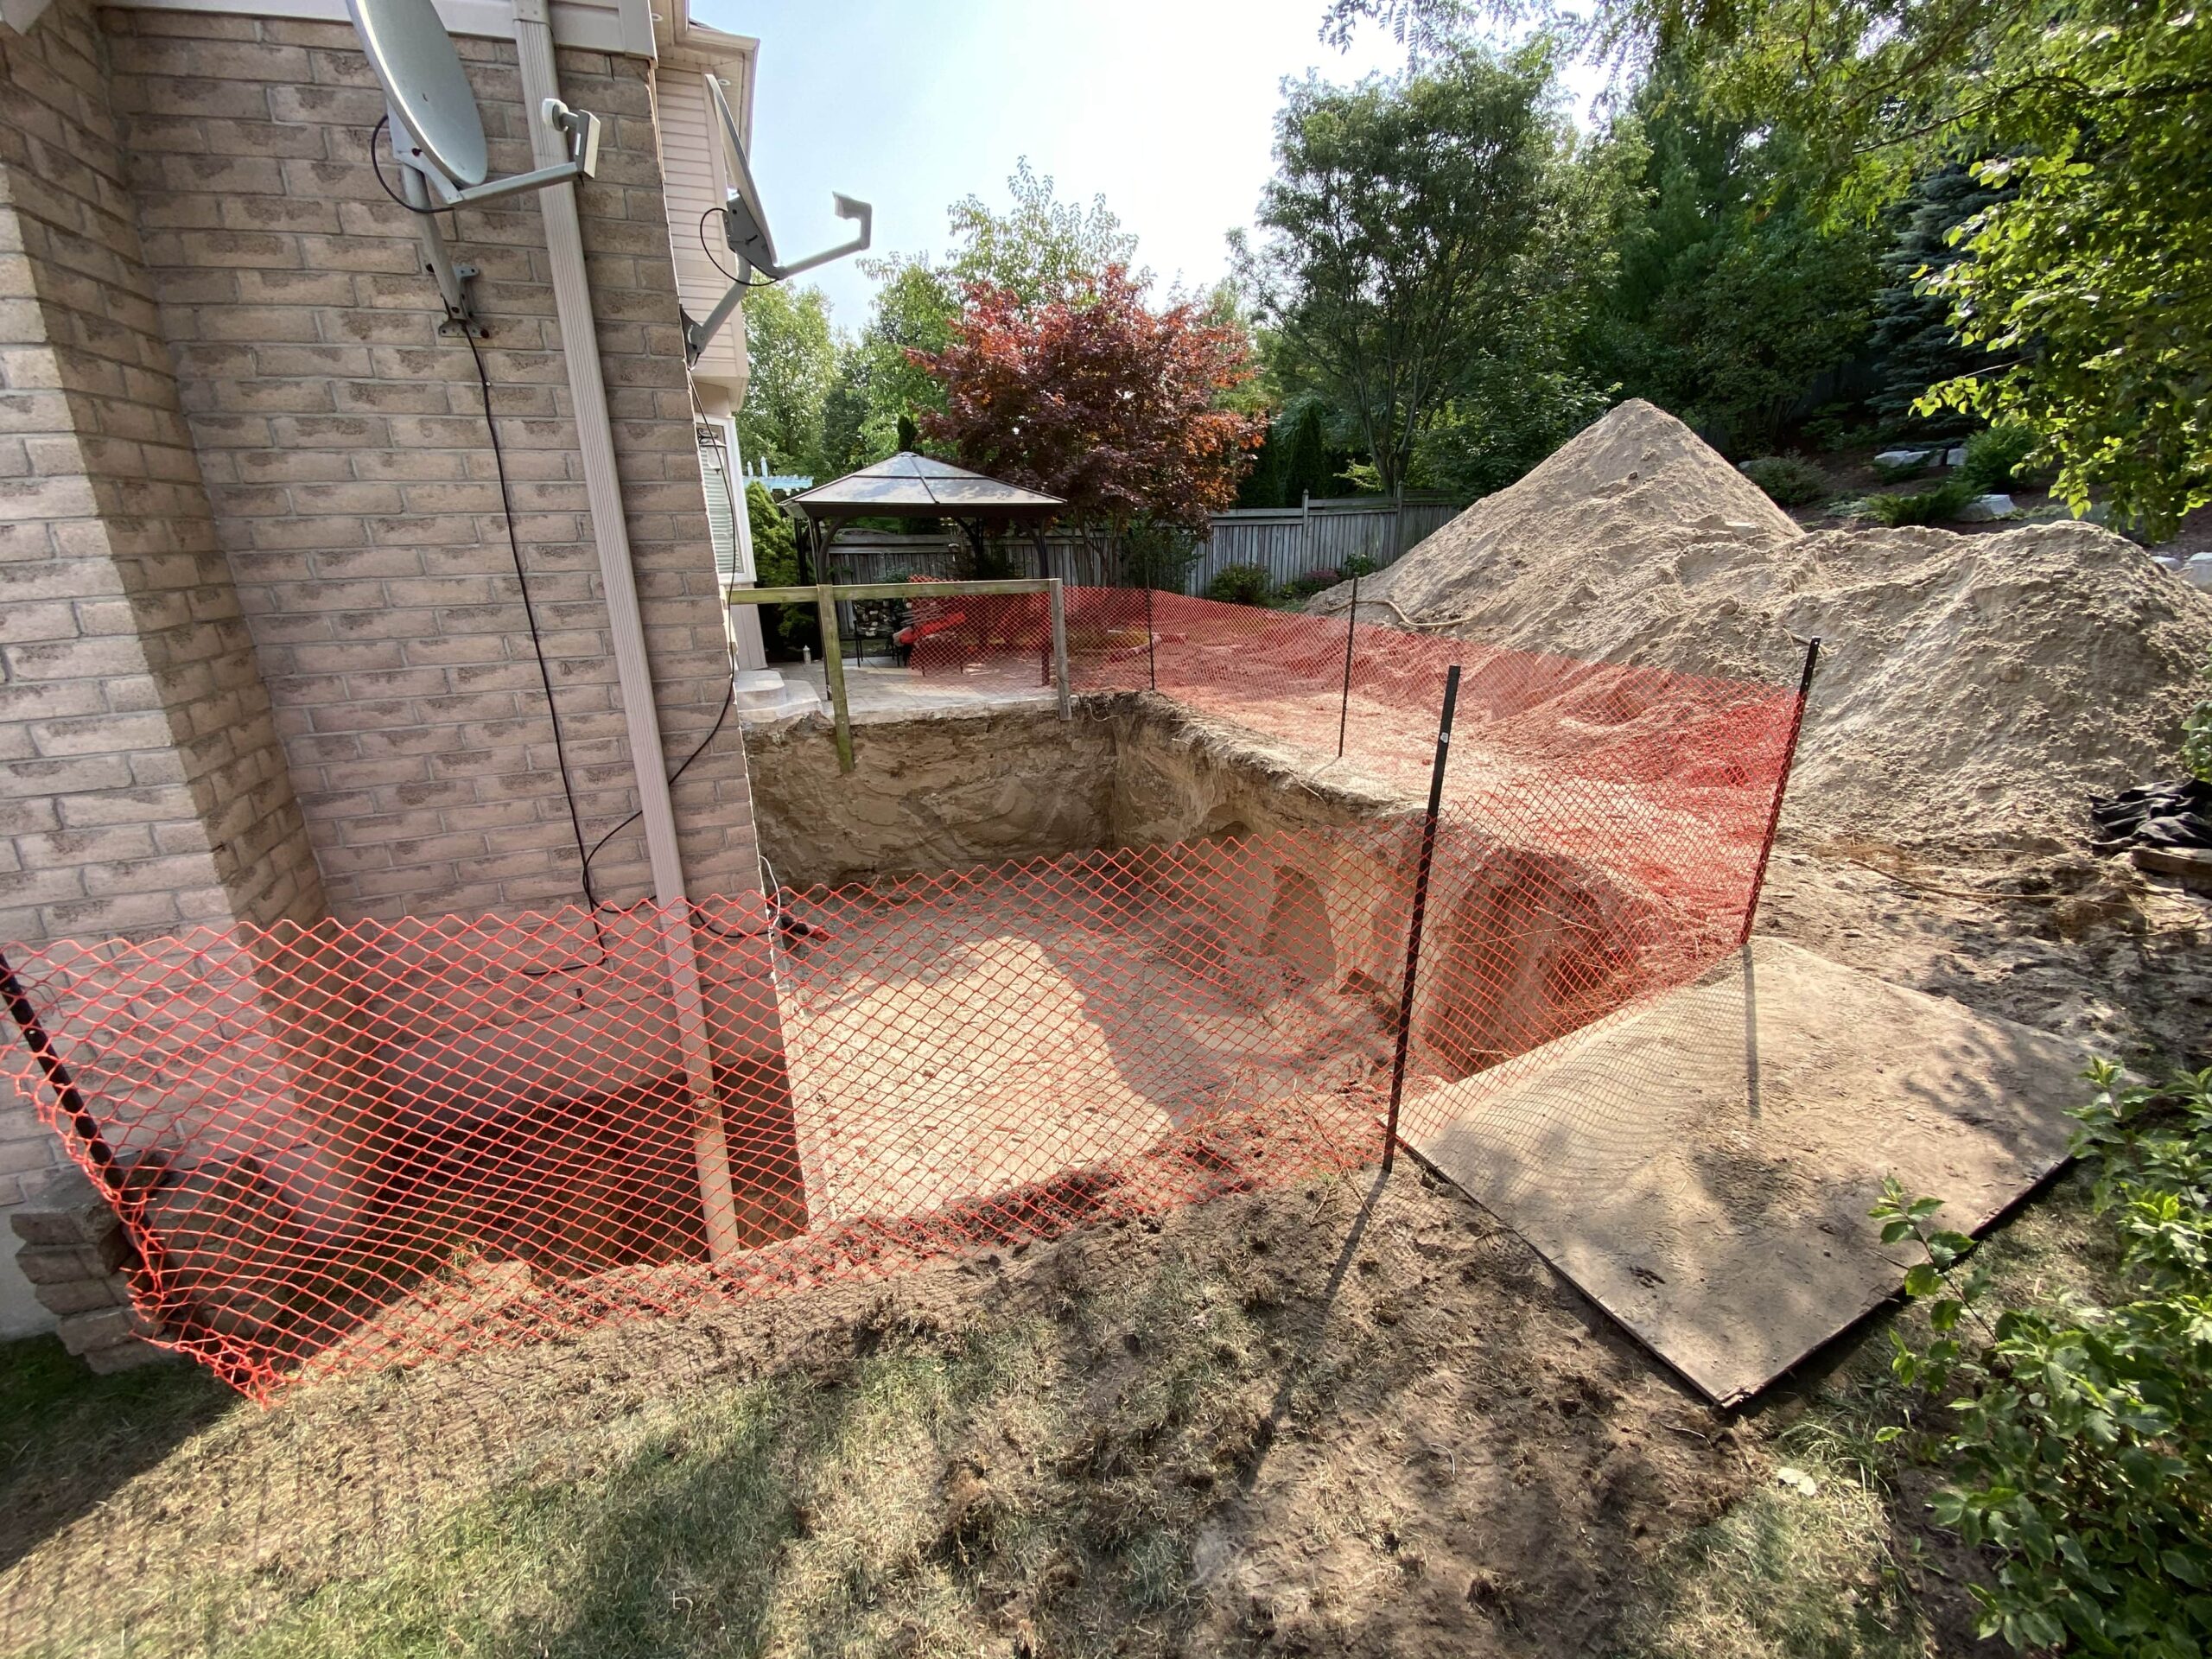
(1126, 413)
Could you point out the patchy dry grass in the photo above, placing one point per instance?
(950, 1489)
(1283, 1422)
(1289, 1421)
(1800, 1569)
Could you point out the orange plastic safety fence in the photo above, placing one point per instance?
(350, 1145)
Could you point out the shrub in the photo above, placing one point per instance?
(1832, 429)
(2196, 736)
(775, 563)
(2080, 1434)
(1926, 507)
(1788, 480)
(1158, 554)
(1308, 584)
(1241, 584)
(1359, 565)
(1995, 457)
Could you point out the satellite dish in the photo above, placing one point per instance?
(747, 220)
(425, 86)
(437, 133)
(745, 226)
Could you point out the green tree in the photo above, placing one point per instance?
(1914, 344)
(1035, 249)
(1297, 459)
(1411, 221)
(1732, 296)
(1536, 380)
(876, 384)
(2091, 286)
(1041, 248)
(792, 353)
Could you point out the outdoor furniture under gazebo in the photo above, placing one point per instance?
(909, 486)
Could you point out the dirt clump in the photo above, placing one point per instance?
(1972, 691)
(1343, 1417)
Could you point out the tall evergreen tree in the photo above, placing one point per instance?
(1914, 344)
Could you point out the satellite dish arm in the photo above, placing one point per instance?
(846, 208)
(697, 334)
(581, 128)
(744, 222)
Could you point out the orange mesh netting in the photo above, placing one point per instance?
(354, 1144)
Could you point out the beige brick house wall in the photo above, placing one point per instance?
(265, 652)
(354, 485)
(145, 786)
(142, 784)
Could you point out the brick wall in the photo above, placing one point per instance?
(142, 786)
(266, 654)
(354, 485)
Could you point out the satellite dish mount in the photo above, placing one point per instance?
(745, 227)
(438, 135)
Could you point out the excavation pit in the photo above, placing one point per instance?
(1011, 973)
(1186, 926)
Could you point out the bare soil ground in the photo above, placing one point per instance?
(1343, 1418)
(1324, 1419)
(1291, 1421)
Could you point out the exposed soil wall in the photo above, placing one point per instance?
(1287, 859)
(931, 793)
(943, 791)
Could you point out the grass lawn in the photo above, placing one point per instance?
(1285, 1422)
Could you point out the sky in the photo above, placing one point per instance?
(1165, 106)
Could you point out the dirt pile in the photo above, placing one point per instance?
(1973, 692)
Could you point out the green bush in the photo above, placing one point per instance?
(1307, 583)
(1934, 506)
(1788, 480)
(1995, 457)
(2196, 736)
(1833, 429)
(1358, 565)
(1159, 555)
(2080, 1435)
(775, 564)
(1241, 584)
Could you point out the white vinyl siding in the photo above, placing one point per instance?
(692, 172)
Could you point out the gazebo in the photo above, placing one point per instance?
(909, 486)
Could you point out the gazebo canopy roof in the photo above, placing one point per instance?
(909, 486)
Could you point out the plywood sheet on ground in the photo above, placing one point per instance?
(1702, 1168)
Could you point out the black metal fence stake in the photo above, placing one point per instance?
(1421, 912)
(1151, 668)
(1781, 783)
(65, 1093)
(1351, 633)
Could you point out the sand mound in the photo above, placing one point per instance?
(1973, 691)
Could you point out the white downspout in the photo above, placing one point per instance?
(744, 619)
(564, 250)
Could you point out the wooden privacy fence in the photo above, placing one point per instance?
(1286, 541)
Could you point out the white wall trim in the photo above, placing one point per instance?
(618, 26)
(20, 15)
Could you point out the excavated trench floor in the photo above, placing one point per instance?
(1699, 1161)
